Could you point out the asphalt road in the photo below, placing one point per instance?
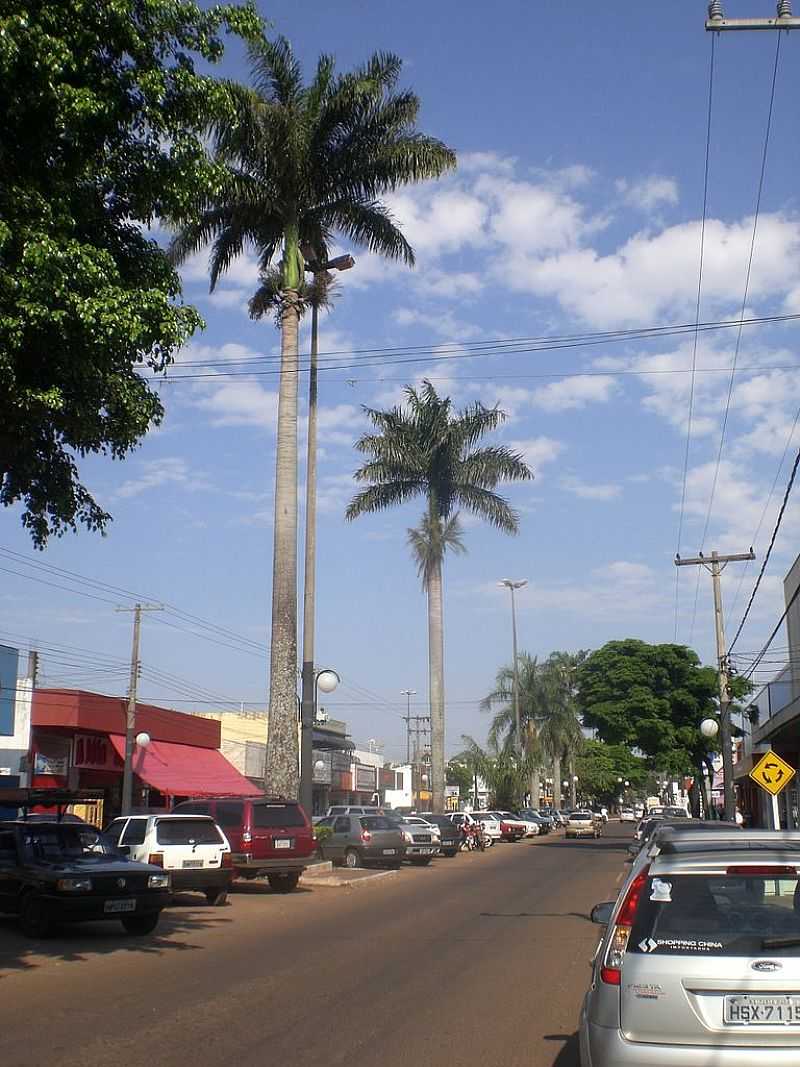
(482, 959)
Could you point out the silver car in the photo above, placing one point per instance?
(700, 961)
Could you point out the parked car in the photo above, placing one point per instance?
(269, 836)
(530, 826)
(511, 829)
(545, 823)
(638, 811)
(192, 848)
(449, 834)
(490, 824)
(52, 872)
(422, 838)
(583, 824)
(699, 961)
(364, 840)
(658, 830)
(355, 809)
(626, 815)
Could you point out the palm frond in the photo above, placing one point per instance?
(381, 497)
(487, 505)
(276, 72)
(431, 540)
(486, 467)
(367, 224)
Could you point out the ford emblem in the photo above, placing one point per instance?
(121, 883)
(766, 965)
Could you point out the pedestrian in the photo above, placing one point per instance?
(739, 818)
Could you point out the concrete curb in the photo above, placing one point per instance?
(352, 883)
(315, 870)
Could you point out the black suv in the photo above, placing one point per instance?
(53, 872)
(450, 833)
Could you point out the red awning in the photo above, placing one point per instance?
(186, 770)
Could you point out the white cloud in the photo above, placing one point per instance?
(243, 271)
(537, 218)
(624, 571)
(232, 403)
(570, 394)
(171, 470)
(647, 194)
(537, 451)
(440, 221)
(442, 322)
(591, 491)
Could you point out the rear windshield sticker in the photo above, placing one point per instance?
(678, 944)
(661, 891)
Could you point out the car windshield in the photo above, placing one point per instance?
(187, 832)
(719, 915)
(59, 843)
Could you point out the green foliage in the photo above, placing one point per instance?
(102, 117)
(599, 765)
(458, 773)
(505, 774)
(652, 698)
(322, 833)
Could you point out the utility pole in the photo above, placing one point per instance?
(408, 694)
(716, 564)
(717, 23)
(513, 586)
(130, 724)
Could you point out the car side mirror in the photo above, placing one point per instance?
(124, 850)
(601, 913)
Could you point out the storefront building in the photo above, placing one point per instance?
(78, 742)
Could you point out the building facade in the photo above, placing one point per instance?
(17, 671)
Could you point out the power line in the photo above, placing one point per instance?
(697, 324)
(745, 294)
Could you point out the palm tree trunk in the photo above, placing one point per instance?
(557, 781)
(573, 788)
(535, 787)
(281, 770)
(309, 583)
(436, 682)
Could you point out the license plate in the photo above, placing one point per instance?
(761, 1011)
(114, 906)
(283, 842)
(390, 852)
(425, 851)
(194, 864)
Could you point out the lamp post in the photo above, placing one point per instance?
(325, 680)
(141, 741)
(709, 728)
(512, 585)
(308, 683)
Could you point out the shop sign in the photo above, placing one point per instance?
(365, 779)
(93, 753)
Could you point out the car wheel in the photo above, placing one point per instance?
(283, 883)
(33, 919)
(139, 925)
(216, 897)
(421, 861)
(451, 852)
(395, 866)
(352, 859)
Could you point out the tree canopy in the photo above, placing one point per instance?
(600, 766)
(102, 122)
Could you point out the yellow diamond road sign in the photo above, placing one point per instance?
(772, 773)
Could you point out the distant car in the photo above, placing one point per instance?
(511, 829)
(626, 815)
(355, 809)
(583, 824)
(698, 963)
(364, 840)
(531, 825)
(490, 824)
(269, 836)
(423, 839)
(192, 848)
(449, 834)
(52, 872)
(544, 822)
(638, 811)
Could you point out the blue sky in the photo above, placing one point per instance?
(581, 132)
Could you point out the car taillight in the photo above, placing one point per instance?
(611, 971)
(247, 837)
(767, 872)
(227, 859)
(156, 858)
(366, 837)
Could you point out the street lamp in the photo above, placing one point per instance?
(709, 728)
(326, 680)
(512, 585)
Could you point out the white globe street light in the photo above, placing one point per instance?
(319, 766)
(143, 739)
(327, 680)
(709, 728)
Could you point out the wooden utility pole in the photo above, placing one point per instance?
(716, 564)
(130, 723)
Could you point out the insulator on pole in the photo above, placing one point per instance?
(715, 10)
(784, 9)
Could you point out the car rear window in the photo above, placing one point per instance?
(230, 812)
(718, 915)
(187, 832)
(267, 815)
(580, 816)
(377, 822)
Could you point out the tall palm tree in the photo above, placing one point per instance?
(532, 704)
(560, 731)
(502, 769)
(426, 449)
(299, 164)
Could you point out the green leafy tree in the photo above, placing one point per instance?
(652, 698)
(600, 766)
(505, 773)
(458, 773)
(304, 163)
(102, 119)
(425, 449)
